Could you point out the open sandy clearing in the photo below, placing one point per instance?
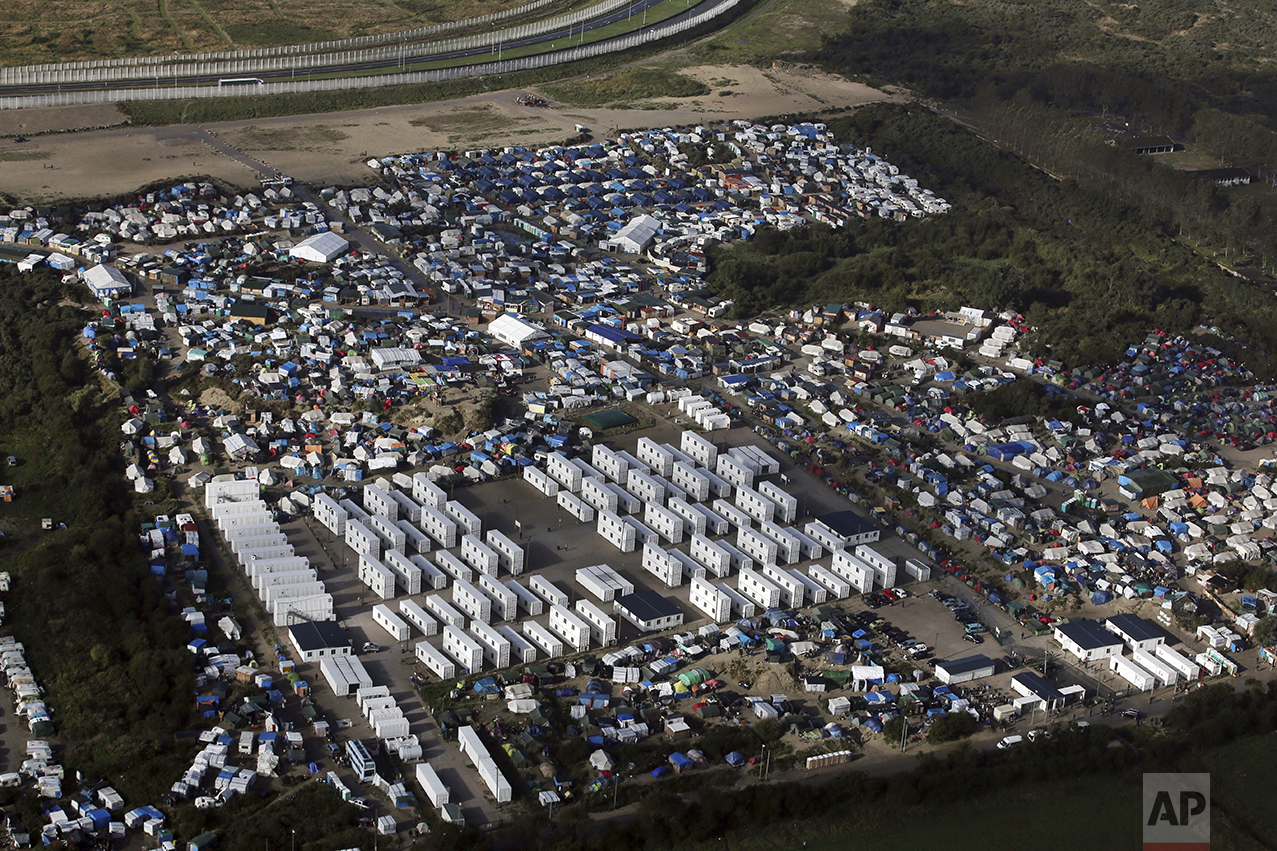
(332, 148)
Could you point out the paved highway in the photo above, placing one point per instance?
(568, 36)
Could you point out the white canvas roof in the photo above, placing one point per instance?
(102, 277)
(513, 331)
(320, 248)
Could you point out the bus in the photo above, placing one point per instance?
(228, 82)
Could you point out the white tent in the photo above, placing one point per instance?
(514, 331)
(107, 282)
(320, 248)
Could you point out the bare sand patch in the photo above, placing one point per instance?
(333, 148)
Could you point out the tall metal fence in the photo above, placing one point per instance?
(20, 74)
(202, 66)
(540, 60)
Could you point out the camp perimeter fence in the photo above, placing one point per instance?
(204, 66)
(23, 75)
(526, 63)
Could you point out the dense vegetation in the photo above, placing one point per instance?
(1197, 69)
(96, 626)
(1091, 272)
(624, 87)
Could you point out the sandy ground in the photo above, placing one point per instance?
(332, 148)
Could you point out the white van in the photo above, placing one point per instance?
(1010, 742)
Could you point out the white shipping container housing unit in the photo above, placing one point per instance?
(417, 616)
(252, 533)
(479, 555)
(693, 520)
(611, 465)
(529, 603)
(786, 504)
(376, 576)
(734, 471)
(626, 502)
(755, 504)
(391, 536)
(716, 559)
(604, 582)
(658, 562)
(705, 453)
(548, 590)
(854, 569)
(574, 505)
(465, 650)
(884, 566)
(692, 481)
(598, 496)
(563, 471)
(264, 523)
(1165, 674)
(438, 526)
(651, 453)
(415, 540)
(574, 631)
(247, 555)
(256, 568)
(738, 560)
(496, 647)
(356, 512)
(645, 489)
(434, 659)
(465, 519)
(408, 508)
(241, 543)
(809, 549)
(377, 501)
(815, 592)
(431, 576)
(687, 566)
(282, 598)
(1137, 676)
(471, 601)
(788, 547)
(664, 522)
(505, 605)
(541, 481)
(345, 674)
(239, 490)
(407, 574)
(446, 614)
(489, 773)
(602, 627)
(427, 493)
(316, 607)
(361, 539)
(453, 566)
(284, 577)
(741, 605)
(390, 622)
(430, 783)
(767, 465)
(617, 532)
(549, 643)
(823, 535)
(715, 523)
(510, 554)
(330, 515)
(1187, 669)
(756, 545)
(733, 515)
(521, 651)
(838, 587)
(716, 605)
(758, 588)
(718, 486)
(791, 590)
(239, 508)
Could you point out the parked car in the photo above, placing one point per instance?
(974, 639)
